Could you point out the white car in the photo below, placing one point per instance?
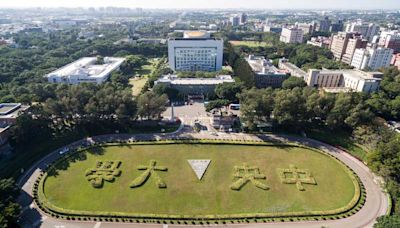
(63, 151)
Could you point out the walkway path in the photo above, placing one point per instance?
(375, 206)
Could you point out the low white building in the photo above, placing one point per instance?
(291, 35)
(266, 74)
(85, 70)
(194, 86)
(292, 69)
(350, 80)
(373, 58)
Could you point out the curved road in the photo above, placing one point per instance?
(376, 203)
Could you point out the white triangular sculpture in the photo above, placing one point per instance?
(199, 167)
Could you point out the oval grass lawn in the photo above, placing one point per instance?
(68, 187)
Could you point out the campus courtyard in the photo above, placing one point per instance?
(158, 180)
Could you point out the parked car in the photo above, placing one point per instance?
(63, 151)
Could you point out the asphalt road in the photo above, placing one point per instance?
(375, 206)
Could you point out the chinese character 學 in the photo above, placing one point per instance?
(296, 176)
(247, 174)
(149, 170)
(104, 171)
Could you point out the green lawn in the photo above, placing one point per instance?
(137, 85)
(185, 194)
(250, 44)
(144, 72)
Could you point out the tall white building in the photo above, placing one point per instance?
(373, 58)
(291, 35)
(196, 51)
(85, 70)
(368, 31)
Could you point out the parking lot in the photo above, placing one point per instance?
(189, 113)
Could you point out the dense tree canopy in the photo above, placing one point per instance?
(9, 209)
(388, 222)
(293, 82)
(228, 91)
(151, 105)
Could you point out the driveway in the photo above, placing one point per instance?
(375, 206)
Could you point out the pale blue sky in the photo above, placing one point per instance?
(258, 4)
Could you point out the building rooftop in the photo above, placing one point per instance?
(337, 89)
(261, 65)
(377, 76)
(175, 80)
(10, 110)
(87, 67)
(196, 34)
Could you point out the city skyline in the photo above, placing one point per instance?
(209, 4)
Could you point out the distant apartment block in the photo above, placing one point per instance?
(368, 31)
(390, 39)
(234, 20)
(320, 41)
(396, 60)
(196, 51)
(372, 58)
(85, 70)
(344, 44)
(292, 69)
(194, 86)
(307, 28)
(243, 18)
(344, 80)
(8, 116)
(339, 44)
(273, 28)
(266, 74)
(337, 26)
(354, 43)
(324, 25)
(291, 35)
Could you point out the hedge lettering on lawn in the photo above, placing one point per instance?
(247, 174)
(104, 171)
(296, 176)
(150, 170)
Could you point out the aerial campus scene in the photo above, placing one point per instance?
(214, 113)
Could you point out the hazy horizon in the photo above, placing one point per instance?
(209, 4)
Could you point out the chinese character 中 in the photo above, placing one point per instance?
(296, 176)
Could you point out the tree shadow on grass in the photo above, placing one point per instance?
(98, 150)
(65, 163)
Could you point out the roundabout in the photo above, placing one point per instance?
(272, 200)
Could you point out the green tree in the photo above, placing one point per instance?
(99, 60)
(173, 94)
(131, 63)
(244, 72)
(256, 105)
(9, 209)
(290, 109)
(151, 105)
(216, 104)
(293, 82)
(228, 91)
(388, 222)
(340, 111)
